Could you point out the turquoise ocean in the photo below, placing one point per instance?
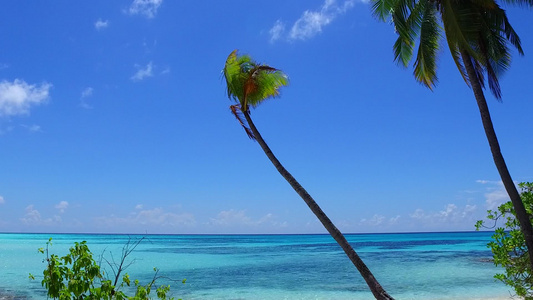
(408, 265)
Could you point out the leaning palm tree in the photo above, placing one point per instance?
(249, 84)
(478, 34)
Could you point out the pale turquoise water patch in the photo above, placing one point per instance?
(409, 266)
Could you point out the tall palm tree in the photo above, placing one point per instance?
(478, 34)
(249, 84)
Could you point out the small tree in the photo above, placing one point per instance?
(509, 246)
(77, 276)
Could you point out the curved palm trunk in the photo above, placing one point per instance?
(371, 281)
(521, 214)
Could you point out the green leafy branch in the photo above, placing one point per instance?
(77, 276)
(508, 244)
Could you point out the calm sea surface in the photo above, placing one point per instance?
(409, 266)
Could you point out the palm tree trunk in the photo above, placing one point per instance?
(521, 214)
(371, 281)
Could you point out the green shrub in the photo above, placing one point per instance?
(509, 246)
(77, 276)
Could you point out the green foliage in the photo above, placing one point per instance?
(509, 246)
(249, 84)
(479, 29)
(77, 276)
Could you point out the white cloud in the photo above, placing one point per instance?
(148, 8)
(311, 22)
(276, 31)
(159, 217)
(33, 217)
(32, 128)
(87, 92)
(2, 201)
(418, 214)
(238, 220)
(231, 217)
(17, 97)
(496, 198)
(496, 194)
(61, 206)
(483, 181)
(143, 73)
(148, 217)
(99, 25)
(469, 209)
(450, 214)
(374, 221)
(394, 220)
(450, 209)
(309, 25)
(139, 206)
(165, 71)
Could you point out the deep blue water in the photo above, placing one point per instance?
(408, 265)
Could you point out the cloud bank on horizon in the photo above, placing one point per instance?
(174, 219)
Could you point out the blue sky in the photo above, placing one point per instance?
(114, 118)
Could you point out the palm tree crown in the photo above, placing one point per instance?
(249, 84)
(480, 28)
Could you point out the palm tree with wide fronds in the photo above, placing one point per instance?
(478, 34)
(249, 84)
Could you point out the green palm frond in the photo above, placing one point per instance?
(494, 52)
(249, 84)
(461, 26)
(263, 82)
(382, 9)
(406, 19)
(479, 70)
(461, 22)
(231, 73)
(520, 2)
(512, 36)
(477, 30)
(497, 21)
(493, 40)
(425, 65)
